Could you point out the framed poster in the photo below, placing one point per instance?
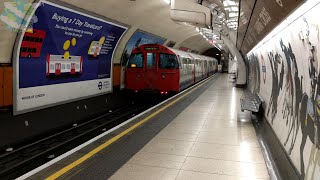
(66, 55)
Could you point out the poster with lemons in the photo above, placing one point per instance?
(64, 51)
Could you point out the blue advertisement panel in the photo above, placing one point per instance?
(137, 39)
(62, 55)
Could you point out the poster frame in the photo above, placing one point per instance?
(16, 50)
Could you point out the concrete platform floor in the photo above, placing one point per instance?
(206, 141)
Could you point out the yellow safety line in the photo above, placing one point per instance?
(112, 140)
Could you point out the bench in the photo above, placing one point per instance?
(250, 102)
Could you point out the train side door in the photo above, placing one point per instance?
(57, 68)
(193, 62)
(205, 68)
(150, 70)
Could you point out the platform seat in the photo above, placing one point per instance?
(250, 101)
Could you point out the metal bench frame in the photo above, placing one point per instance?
(250, 102)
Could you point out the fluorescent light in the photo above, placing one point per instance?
(229, 3)
(233, 14)
(234, 8)
(167, 1)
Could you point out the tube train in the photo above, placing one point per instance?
(160, 69)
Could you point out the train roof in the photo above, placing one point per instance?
(192, 55)
(180, 53)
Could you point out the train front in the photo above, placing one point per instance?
(152, 68)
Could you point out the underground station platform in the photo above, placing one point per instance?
(200, 133)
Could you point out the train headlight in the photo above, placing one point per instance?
(138, 75)
(163, 76)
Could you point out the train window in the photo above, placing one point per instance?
(185, 61)
(27, 38)
(63, 66)
(135, 61)
(189, 64)
(68, 66)
(33, 50)
(51, 66)
(29, 50)
(32, 39)
(168, 61)
(151, 60)
(77, 66)
(179, 61)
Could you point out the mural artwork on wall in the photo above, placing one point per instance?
(275, 60)
(291, 89)
(264, 70)
(310, 111)
(254, 73)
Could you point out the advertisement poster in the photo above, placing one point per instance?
(63, 55)
(137, 39)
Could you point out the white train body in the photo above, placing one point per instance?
(194, 67)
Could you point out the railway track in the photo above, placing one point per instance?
(23, 159)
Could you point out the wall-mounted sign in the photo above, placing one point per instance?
(216, 41)
(66, 55)
(151, 48)
(251, 31)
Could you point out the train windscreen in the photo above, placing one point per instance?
(151, 60)
(168, 61)
(136, 61)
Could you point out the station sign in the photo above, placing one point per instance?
(151, 48)
(252, 31)
(216, 41)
